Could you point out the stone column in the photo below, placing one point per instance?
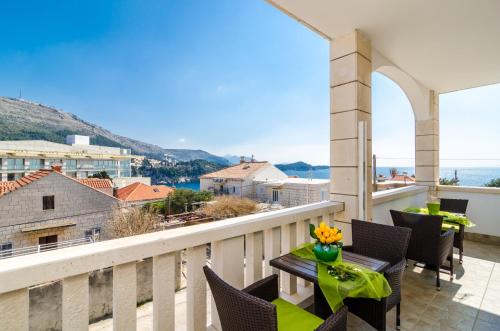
(350, 88)
(427, 146)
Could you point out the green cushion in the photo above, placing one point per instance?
(448, 226)
(291, 317)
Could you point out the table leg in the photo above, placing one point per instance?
(321, 306)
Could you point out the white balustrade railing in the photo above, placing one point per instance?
(234, 243)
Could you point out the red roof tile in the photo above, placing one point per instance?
(97, 183)
(142, 192)
(6, 187)
(238, 171)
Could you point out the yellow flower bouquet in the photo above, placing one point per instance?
(328, 242)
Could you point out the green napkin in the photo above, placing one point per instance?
(366, 283)
(448, 217)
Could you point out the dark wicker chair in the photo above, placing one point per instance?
(458, 206)
(427, 243)
(251, 309)
(387, 243)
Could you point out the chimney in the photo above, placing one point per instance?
(57, 167)
(242, 159)
(253, 159)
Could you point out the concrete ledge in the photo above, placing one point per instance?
(482, 238)
(469, 189)
(398, 193)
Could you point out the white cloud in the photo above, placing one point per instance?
(181, 140)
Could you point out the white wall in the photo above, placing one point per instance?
(483, 208)
(398, 199)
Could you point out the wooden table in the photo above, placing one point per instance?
(307, 270)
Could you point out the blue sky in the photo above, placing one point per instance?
(226, 76)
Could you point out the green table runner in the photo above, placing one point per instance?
(449, 218)
(367, 283)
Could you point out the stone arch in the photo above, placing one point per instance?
(417, 94)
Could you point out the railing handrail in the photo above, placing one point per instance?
(24, 271)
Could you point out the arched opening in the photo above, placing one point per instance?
(393, 134)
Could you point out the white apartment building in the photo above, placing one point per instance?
(79, 159)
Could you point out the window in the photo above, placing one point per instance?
(15, 164)
(93, 233)
(5, 249)
(47, 242)
(34, 164)
(70, 164)
(11, 177)
(275, 195)
(48, 202)
(234, 189)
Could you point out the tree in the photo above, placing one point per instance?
(178, 201)
(493, 183)
(227, 207)
(127, 222)
(449, 181)
(102, 175)
(394, 172)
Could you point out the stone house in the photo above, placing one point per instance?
(293, 191)
(47, 207)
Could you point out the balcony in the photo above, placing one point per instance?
(240, 250)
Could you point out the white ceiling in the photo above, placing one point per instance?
(446, 45)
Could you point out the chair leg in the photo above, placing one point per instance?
(461, 254)
(438, 281)
(398, 316)
(451, 266)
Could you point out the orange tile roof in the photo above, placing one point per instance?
(239, 171)
(402, 178)
(6, 187)
(97, 183)
(142, 192)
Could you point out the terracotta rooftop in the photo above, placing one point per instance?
(97, 183)
(142, 192)
(239, 171)
(402, 178)
(6, 187)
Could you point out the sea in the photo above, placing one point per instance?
(472, 176)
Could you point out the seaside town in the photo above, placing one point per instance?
(244, 166)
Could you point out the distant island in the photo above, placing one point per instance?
(300, 166)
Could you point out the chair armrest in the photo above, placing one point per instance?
(447, 238)
(446, 245)
(265, 289)
(335, 322)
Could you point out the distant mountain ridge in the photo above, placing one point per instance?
(26, 120)
(299, 166)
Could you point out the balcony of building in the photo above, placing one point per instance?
(427, 48)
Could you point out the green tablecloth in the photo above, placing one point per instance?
(449, 220)
(367, 283)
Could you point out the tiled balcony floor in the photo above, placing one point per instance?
(470, 302)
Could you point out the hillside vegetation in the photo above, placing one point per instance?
(25, 120)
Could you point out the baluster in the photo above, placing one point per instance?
(315, 221)
(164, 283)
(75, 303)
(303, 237)
(271, 249)
(14, 310)
(227, 262)
(196, 289)
(253, 254)
(288, 242)
(125, 297)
